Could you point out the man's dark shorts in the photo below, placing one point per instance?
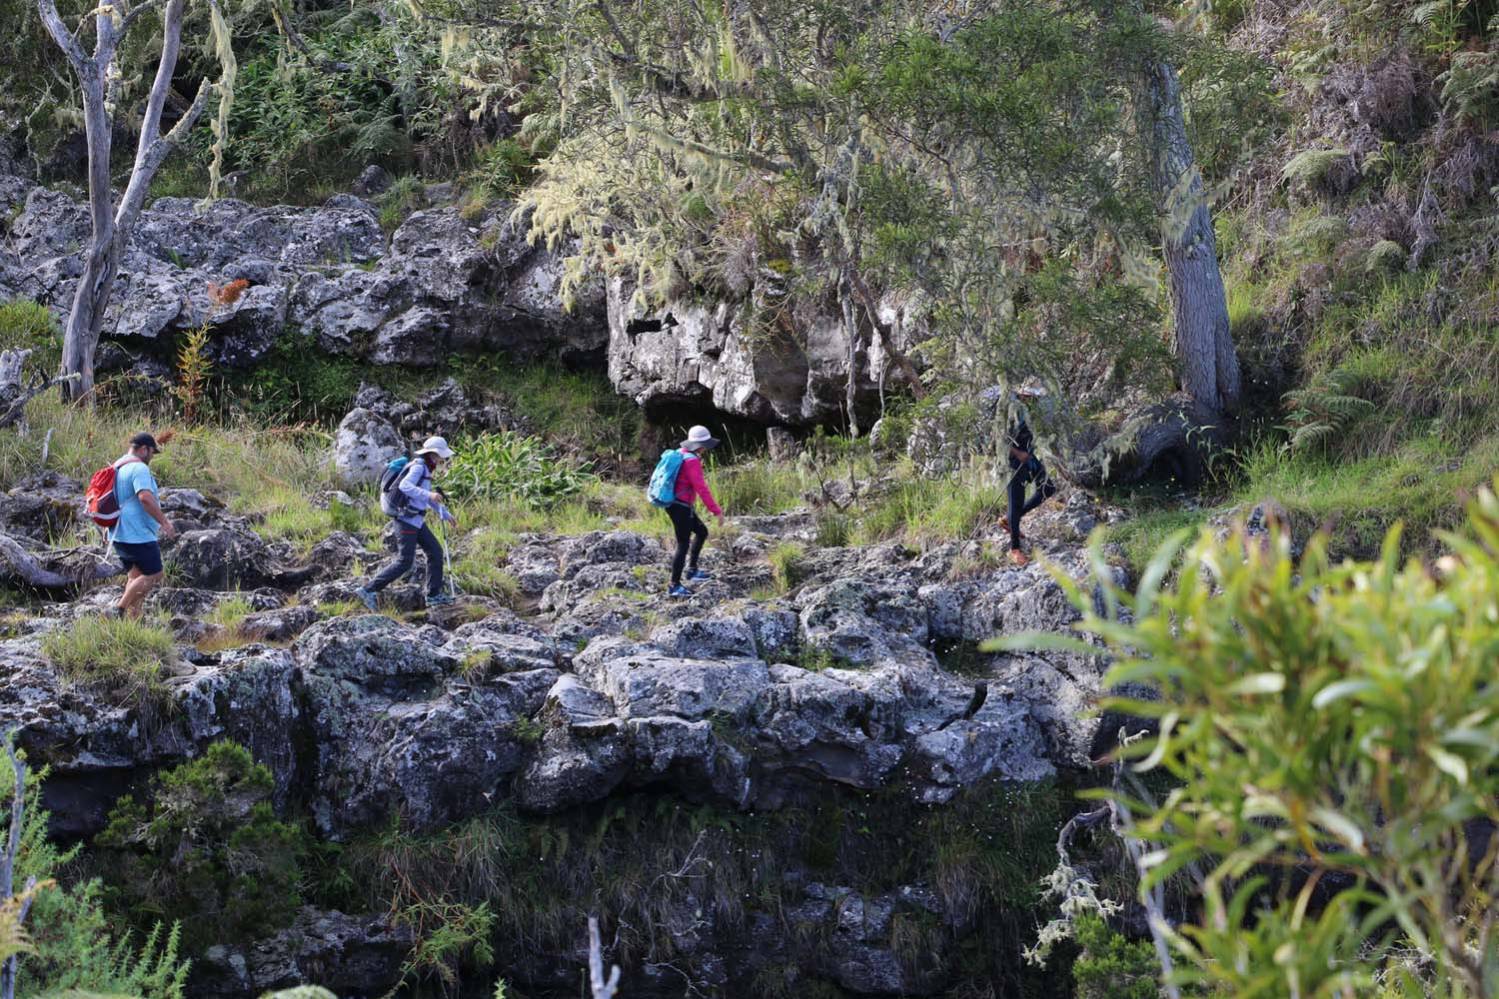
(142, 555)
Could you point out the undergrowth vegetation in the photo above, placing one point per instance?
(74, 945)
(514, 466)
(505, 885)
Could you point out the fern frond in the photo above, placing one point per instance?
(1311, 165)
(1310, 435)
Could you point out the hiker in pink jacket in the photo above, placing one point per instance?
(691, 531)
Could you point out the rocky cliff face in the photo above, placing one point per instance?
(595, 690)
(441, 284)
(793, 371)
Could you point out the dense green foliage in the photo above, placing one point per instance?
(516, 466)
(206, 849)
(74, 945)
(1329, 733)
(1109, 966)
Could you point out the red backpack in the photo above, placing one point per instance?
(100, 499)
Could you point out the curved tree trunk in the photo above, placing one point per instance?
(1204, 346)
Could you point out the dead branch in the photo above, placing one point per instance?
(602, 988)
(17, 409)
(20, 565)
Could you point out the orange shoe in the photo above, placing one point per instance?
(1019, 558)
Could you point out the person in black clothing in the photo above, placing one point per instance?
(1027, 469)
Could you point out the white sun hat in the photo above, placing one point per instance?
(698, 438)
(437, 446)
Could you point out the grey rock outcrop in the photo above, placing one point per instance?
(363, 445)
(349, 955)
(446, 410)
(442, 285)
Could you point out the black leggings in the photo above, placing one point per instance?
(408, 538)
(1031, 471)
(691, 533)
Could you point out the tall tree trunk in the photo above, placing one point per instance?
(112, 223)
(100, 263)
(1204, 345)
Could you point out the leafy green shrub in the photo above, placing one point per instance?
(1331, 735)
(122, 659)
(1110, 966)
(206, 849)
(575, 410)
(450, 935)
(28, 325)
(511, 465)
(505, 167)
(296, 382)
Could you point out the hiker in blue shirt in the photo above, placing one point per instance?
(417, 496)
(141, 523)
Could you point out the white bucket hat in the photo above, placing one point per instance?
(437, 446)
(699, 438)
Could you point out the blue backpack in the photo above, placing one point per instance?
(393, 502)
(663, 488)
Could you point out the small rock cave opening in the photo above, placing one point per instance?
(1173, 470)
(667, 422)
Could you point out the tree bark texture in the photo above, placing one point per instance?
(1204, 345)
(112, 223)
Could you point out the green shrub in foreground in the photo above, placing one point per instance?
(1330, 732)
(121, 659)
(208, 850)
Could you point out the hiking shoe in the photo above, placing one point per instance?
(440, 600)
(366, 597)
(698, 576)
(1019, 558)
(679, 591)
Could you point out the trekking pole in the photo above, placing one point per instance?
(447, 560)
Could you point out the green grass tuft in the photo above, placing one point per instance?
(123, 660)
(787, 566)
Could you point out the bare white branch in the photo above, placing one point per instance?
(602, 988)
